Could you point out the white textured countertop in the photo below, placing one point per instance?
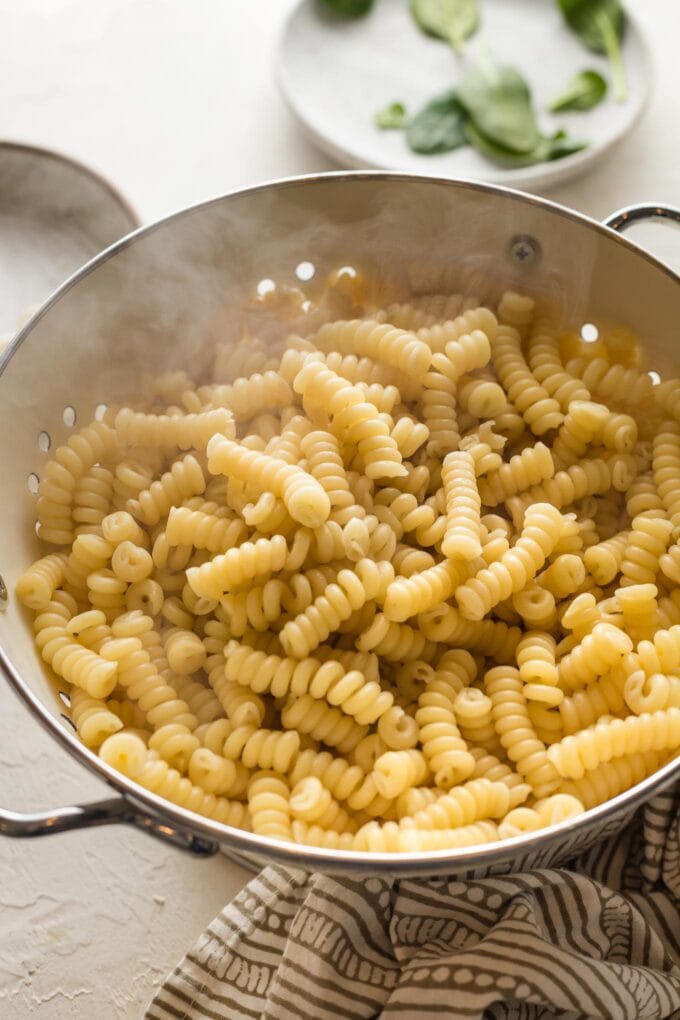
(176, 102)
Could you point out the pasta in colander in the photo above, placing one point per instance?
(403, 580)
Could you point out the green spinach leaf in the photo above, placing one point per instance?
(584, 91)
(498, 101)
(349, 8)
(549, 148)
(452, 20)
(438, 127)
(391, 117)
(559, 145)
(600, 25)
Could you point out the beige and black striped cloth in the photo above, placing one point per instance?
(597, 939)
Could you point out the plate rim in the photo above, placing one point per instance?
(57, 156)
(540, 175)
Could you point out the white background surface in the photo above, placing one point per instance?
(175, 102)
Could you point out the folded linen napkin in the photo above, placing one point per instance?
(596, 940)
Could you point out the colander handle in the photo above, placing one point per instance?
(642, 213)
(115, 811)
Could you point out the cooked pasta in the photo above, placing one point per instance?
(400, 575)
(463, 507)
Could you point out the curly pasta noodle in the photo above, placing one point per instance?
(463, 507)
(354, 418)
(369, 371)
(248, 396)
(396, 771)
(473, 801)
(495, 638)
(410, 596)
(481, 397)
(393, 581)
(349, 690)
(203, 530)
(516, 567)
(92, 500)
(91, 445)
(642, 498)
(613, 382)
(305, 499)
(536, 659)
(647, 542)
(483, 445)
(382, 341)
(516, 733)
(261, 748)
(395, 642)
(445, 750)
(540, 411)
(583, 422)
(530, 467)
(349, 593)
(312, 803)
(472, 708)
(212, 772)
(604, 559)
(96, 675)
(479, 319)
(438, 403)
(249, 560)
(403, 513)
(596, 654)
(391, 838)
(546, 364)
(324, 462)
(610, 739)
(175, 744)
(93, 718)
(317, 720)
(666, 467)
(184, 479)
(409, 435)
(182, 431)
(612, 778)
(640, 610)
(37, 585)
(128, 754)
(565, 575)
(345, 781)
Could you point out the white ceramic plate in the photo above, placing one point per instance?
(336, 73)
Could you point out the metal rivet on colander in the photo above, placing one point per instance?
(524, 250)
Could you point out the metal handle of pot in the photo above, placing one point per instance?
(115, 811)
(642, 213)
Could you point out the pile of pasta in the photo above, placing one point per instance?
(402, 577)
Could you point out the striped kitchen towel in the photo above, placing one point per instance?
(597, 940)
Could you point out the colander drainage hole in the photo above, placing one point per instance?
(69, 416)
(100, 411)
(265, 286)
(44, 441)
(33, 482)
(3, 593)
(69, 721)
(305, 271)
(66, 698)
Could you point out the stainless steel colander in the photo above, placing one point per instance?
(161, 297)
